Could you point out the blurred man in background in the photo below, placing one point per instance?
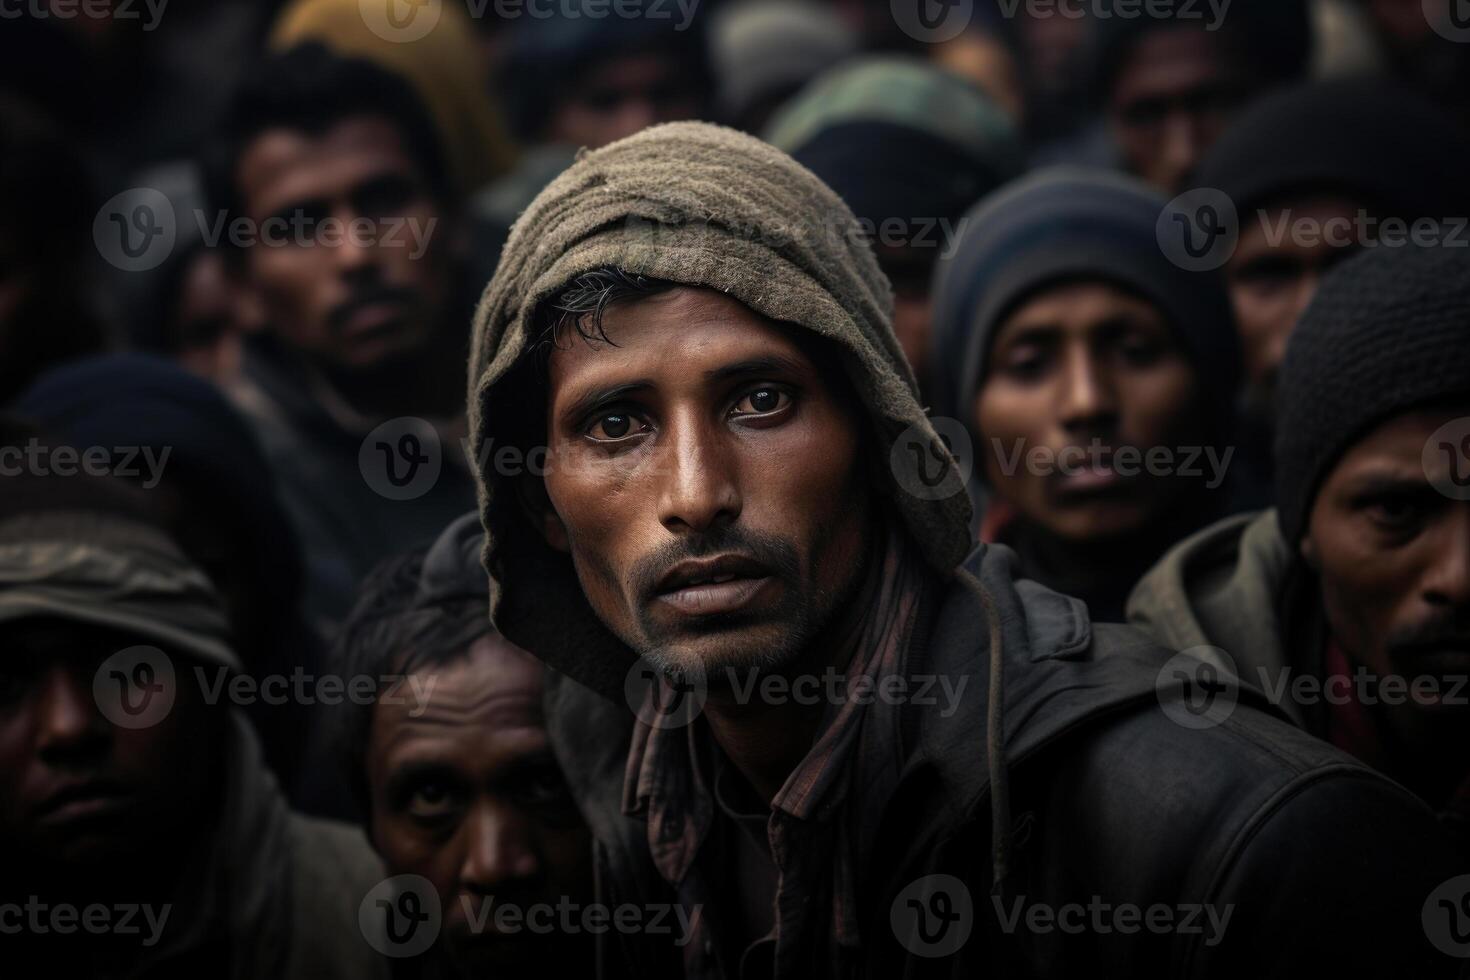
(1358, 584)
(337, 175)
(1170, 85)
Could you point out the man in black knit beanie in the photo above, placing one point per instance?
(1349, 605)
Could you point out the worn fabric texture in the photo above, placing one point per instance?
(732, 214)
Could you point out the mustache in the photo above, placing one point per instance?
(369, 296)
(770, 550)
(1447, 632)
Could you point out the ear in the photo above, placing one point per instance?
(247, 305)
(1308, 549)
(537, 506)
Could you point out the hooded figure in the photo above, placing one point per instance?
(898, 807)
(1030, 242)
(185, 816)
(1370, 453)
(219, 497)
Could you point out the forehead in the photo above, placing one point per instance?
(1401, 447)
(1077, 304)
(283, 163)
(494, 688)
(1171, 59)
(672, 333)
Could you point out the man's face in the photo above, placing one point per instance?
(82, 798)
(350, 264)
(1076, 365)
(1174, 96)
(1393, 553)
(1272, 278)
(706, 477)
(620, 97)
(465, 791)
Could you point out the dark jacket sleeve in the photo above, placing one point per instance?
(1331, 880)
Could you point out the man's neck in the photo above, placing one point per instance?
(767, 740)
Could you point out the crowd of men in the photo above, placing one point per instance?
(735, 489)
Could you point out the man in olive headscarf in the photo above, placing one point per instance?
(789, 704)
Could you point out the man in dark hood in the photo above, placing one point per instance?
(125, 785)
(790, 706)
(1349, 604)
(1316, 173)
(1094, 377)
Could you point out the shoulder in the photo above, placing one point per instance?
(332, 870)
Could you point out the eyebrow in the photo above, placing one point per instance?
(595, 398)
(764, 364)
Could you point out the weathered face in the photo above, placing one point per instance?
(1393, 553)
(349, 266)
(1077, 373)
(1172, 99)
(465, 791)
(1274, 273)
(705, 475)
(80, 797)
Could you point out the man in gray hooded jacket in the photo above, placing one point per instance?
(801, 718)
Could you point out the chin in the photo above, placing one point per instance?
(714, 656)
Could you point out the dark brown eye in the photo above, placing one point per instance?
(612, 427)
(762, 401)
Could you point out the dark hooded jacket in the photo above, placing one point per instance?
(266, 894)
(1059, 782)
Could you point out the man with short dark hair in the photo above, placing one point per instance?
(1170, 82)
(454, 773)
(1349, 605)
(338, 214)
(854, 750)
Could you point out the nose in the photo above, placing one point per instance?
(699, 487)
(68, 722)
(1181, 149)
(498, 849)
(1448, 581)
(355, 249)
(1087, 401)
